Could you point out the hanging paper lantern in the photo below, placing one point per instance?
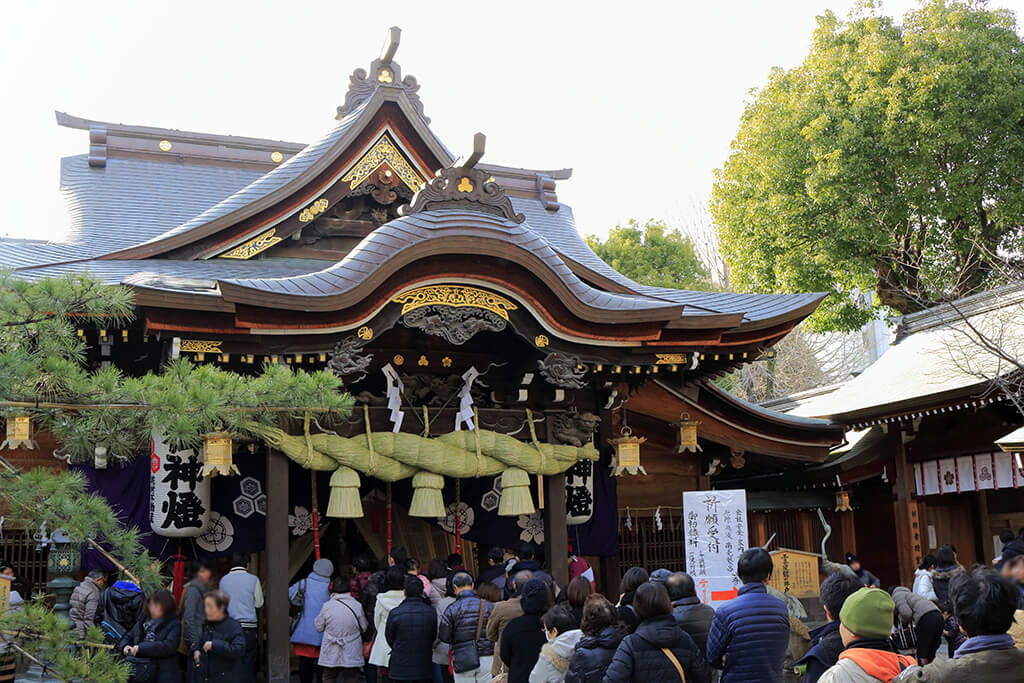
(217, 455)
(180, 503)
(19, 433)
(344, 500)
(843, 501)
(516, 498)
(627, 453)
(687, 435)
(426, 495)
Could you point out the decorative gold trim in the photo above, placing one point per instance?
(398, 359)
(541, 340)
(423, 362)
(446, 361)
(276, 157)
(257, 244)
(383, 151)
(465, 185)
(456, 296)
(165, 145)
(365, 333)
(313, 210)
(200, 346)
(670, 358)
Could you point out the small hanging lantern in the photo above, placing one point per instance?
(217, 455)
(627, 453)
(843, 501)
(687, 434)
(19, 433)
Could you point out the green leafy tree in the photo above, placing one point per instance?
(44, 373)
(891, 161)
(652, 254)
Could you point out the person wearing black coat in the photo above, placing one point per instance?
(410, 631)
(641, 656)
(217, 655)
(523, 638)
(119, 609)
(631, 580)
(155, 637)
(690, 613)
(602, 634)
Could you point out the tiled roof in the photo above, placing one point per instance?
(128, 202)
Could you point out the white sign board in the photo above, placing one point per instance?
(716, 535)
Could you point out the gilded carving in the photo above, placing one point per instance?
(365, 333)
(541, 340)
(260, 243)
(313, 210)
(383, 151)
(200, 346)
(456, 296)
(670, 358)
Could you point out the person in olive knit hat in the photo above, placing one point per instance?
(866, 621)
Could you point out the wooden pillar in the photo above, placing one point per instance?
(987, 546)
(849, 532)
(611, 578)
(556, 531)
(278, 668)
(908, 523)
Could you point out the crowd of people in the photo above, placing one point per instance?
(513, 624)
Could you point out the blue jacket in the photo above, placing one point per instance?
(317, 593)
(752, 632)
(826, 644)
(410, 631)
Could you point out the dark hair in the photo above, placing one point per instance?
(651, 600)
(680, 585)
(197, 566)
(557, 618)
(399, 555)
(437, 569)
(525, 551)
(364, 562)
(219, 597)
(598, 614)
(835, 589)
(489, 592)
(461, 580)
(341, 585)
(633, 579)
(1005, 536)
(97, 574)
(927, 562)
(346, 572)
(394, 578)
(851, 558)
(519, 580)
(413, 587)
(578, 590)
(754, 566)
(984, 602)
(168, 605)
(454, 560)
(496, 555)
(4, 566)
(946, 556)
(240, 559)
(412, 563)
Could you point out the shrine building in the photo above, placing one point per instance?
(456, 298)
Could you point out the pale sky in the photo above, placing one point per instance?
(641, 99)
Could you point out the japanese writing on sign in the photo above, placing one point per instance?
(715, 536)
(180, 496)
(579, 492)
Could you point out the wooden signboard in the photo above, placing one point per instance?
(5, 593)
(795, 573)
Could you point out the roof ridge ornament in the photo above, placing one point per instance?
(384, 71)
(466, 183)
